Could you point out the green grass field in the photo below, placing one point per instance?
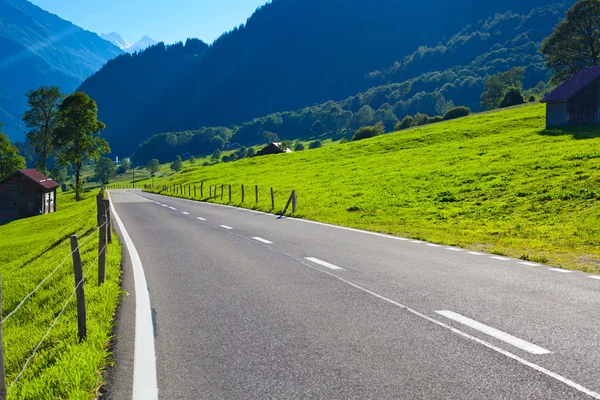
(30, 249)
(496, 182)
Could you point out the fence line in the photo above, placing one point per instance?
(49, 276)
(66, 303)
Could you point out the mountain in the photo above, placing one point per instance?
(38, 48)
(289, 54)
(117, 40)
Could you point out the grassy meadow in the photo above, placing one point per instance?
(30, 249)
(497, 182)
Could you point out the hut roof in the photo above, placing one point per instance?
(573, 85)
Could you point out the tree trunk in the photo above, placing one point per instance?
(77, 188)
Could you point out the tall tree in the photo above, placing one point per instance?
(41, 119)
(10, 160)
(77, 137)
(575, 42)
(177, 165)
(105, 170)
(497, 85)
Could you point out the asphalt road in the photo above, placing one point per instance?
(249, 306)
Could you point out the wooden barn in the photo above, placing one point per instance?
(273, 148)
(575, 102)
(27, 193)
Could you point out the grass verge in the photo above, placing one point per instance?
(496, 182)
(30, 249)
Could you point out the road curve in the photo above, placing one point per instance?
(249, 306)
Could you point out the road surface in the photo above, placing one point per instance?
(244, 305)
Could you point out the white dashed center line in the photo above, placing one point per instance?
(185, 213)
(500, 258)
(164, 205)
(262, 240)
(564, 271)
(488, 330)
(173, 208)
(201, 219)
(225, 227)
(324, 263)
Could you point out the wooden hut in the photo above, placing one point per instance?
(273, 148)
(27, 193)
(575, 102)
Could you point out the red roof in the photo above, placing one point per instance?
(572, 86)
(39, 178)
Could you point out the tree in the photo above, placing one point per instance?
(457, 112)
(192, 160)
(77, 135)
(126, 164)
(153, 167)
(368, 132)
(177, 165)
(404, 124)
(10, 160)
(299, 147)
(41, 119)
(251, 152)
(216, 156)
(512, 97)
(105, 170)
(575, 42)
(315, 145)
(271, 137)
(497, 85)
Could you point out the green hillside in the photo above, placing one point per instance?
(496, 182)
(30, 249)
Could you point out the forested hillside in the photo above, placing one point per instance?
(430, 80)
(289, 54)
(38, 48)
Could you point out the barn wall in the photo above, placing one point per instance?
(556, 114)
(31, 203)
(583, 107)
(9, 198)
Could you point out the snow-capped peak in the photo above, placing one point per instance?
(117, 40)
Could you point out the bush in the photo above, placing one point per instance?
(299, 147)
(404, 124)
(437, 118)
(315, 145)
(420, 119)
(367, 132)
(457, 112)
(344, 140)
(251, 152)
(532, 98)
(513, 97)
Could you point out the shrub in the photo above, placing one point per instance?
(457, 112)
(366, 132)
(437, 118)
(532, 98)
(344, 140)
(404, 124)
(299, 147)
(315, 145)
(420, 119)
(192, 160)
(251, 152)
(513, 97)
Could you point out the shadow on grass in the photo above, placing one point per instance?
(576, 132)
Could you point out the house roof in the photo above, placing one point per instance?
(572, 86)
(38, 178)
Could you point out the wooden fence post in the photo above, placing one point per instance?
(189, 191)
(195, 193)
(202, 190)
(243, 194)
(229, 193)
(222, 187)
(109, 220)
(293, 201)
(102, 250)
(256, 191)
(272, 199)
(81, 325)
(2, 371)
(181, 189)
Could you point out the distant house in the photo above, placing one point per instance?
(27, 193)
(575, 102)
(273, 148)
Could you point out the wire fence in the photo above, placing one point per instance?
(104, 228)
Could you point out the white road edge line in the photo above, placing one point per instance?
(225, 227)
(500, 258)
(530, 264)
(201, 219)
(594, 277)
(488, 330)
(416, 241)
(324, 263)
(144, 366)
(265, 241)
(490, 346)
(185, 213)
(564, 271)
(433, 245)
(475, 253)
(453, 249)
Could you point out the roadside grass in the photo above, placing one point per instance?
(30, 249)
(495, 182)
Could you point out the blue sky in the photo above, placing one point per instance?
(163, 20)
